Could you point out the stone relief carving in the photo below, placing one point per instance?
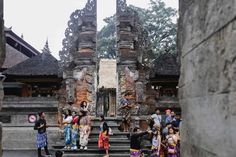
(70, 90)
(79, 19)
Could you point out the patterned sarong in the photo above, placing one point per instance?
(67, 134)
(83, 139)
(135, 153)
(74, 135)
(173, 148)
(103, 141)
(154, 152)
(41, 140)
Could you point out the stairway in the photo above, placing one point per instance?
(119, 142)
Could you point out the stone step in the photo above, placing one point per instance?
(97, 155)
(115, 134)
(96, 150)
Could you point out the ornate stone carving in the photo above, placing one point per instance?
(121, 6)
(2, 39)
(80, 34)
(132, 45)
(78, 55)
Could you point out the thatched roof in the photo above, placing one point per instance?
(43, 64)
(165, 65)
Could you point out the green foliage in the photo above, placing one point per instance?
(106, 43)
(157, 20)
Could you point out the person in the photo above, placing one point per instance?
(171, 143)
(165, 130)
(75, 128)
(58, 153)
(176, 123)
(126, 109)
(67, 128)
(103, 140)
(156, 143)
(168, 116)
(42, 141)
(84, 108)
(135, 142)
(157, 118)
(84, 127)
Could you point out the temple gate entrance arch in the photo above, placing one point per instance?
(79, 58)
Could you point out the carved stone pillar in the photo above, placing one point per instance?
(128, 54)
(2, 58)
(2, 38)
(79, 55)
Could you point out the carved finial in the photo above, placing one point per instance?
(46, 48)
(121, 6)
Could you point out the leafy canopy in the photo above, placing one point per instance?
(157, 20)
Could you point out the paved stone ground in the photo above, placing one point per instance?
(23, 153)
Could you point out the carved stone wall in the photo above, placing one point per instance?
(207, 83)
(2, 58)
(2, 38)
(78, 56)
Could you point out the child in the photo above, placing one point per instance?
(156, 144)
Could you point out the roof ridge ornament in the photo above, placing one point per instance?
(46, 48)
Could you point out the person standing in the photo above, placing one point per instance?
(171, 142)
(168, 116)
(75, 128)
(103, 140)
(42, 141)
(157, 119)
(135, 142)
(156, 144)
(126, 112)
(67, 128)
(84, 126)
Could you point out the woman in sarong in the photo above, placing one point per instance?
(74, 131)
(84, 130)
(67, 128)
(103, 140)
(156, 144)
(126, 112)
(171, 142)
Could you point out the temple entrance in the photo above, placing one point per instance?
(106, 90)
(106, 102)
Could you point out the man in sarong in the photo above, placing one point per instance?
(42, 141)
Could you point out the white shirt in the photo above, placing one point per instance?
(157, 119)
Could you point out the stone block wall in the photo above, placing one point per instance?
(207, 86)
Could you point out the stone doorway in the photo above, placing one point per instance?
(106, 90)
(106, 102)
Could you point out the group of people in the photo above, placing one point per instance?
(167, 128)
(164, 132)
(77, 125)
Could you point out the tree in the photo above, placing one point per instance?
(106, 43)
(157, 20)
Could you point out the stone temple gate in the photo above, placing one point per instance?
(79, 57)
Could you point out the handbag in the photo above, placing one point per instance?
(171, 151)
(110, 132)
